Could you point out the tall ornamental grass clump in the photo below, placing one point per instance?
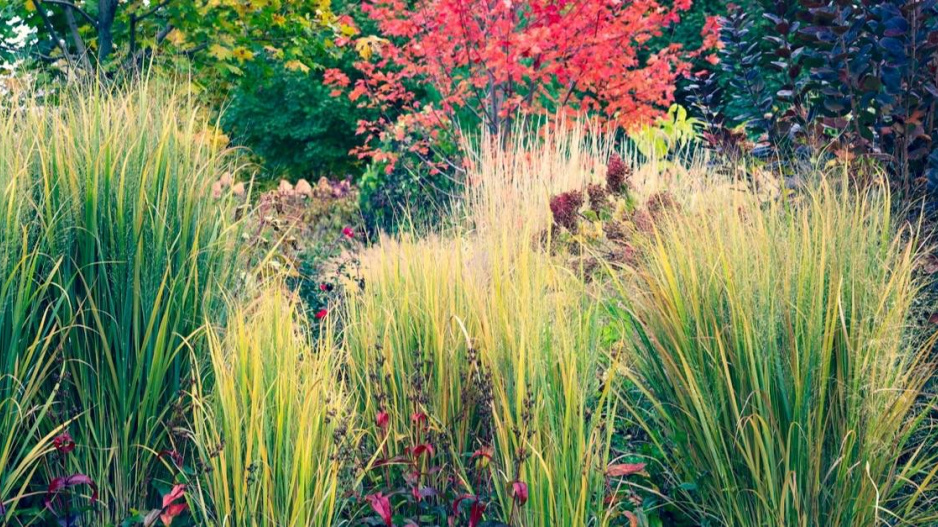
(478, 344)
(771, 343)
(121, 179)
(28, 322)
(272, 420)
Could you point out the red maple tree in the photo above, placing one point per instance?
(497, 59)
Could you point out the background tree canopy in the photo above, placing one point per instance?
(258, 60)
(291, 122)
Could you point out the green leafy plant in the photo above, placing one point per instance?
(669, 135)
(290, 121)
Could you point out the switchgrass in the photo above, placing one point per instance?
(270, 423)
(122, 180)
(771, 343)
(482, 330)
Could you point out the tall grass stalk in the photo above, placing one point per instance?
(488, 300)
(271, 426)
(123, 182)
(771, 343)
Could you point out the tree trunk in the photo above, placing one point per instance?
(76, 39)
(106, 12)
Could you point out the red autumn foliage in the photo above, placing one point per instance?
(617, 174)
(64, 482)
(382, 506)
(519, 492)
(383, 419)
(476, 509)
(171, 506)
(172, 455)
(498, 59)
(419, 450)
(565, 208)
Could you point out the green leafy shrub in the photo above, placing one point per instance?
(290, 121)
(771, 342)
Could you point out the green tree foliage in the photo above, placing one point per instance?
(289, 119)
(212, 39)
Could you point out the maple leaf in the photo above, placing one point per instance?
(219, 52)
(295, 65)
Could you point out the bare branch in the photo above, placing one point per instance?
(73, 7)
(192, 51)
(53, 34)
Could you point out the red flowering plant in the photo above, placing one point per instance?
(606, 220)
(431, 63)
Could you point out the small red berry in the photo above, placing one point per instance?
(321, 314)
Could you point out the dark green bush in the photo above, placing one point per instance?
(292, 123)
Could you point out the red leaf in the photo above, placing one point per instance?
(171, 512)
(175, 456)
(396, 460)
(382, 506)
(421, 449)
(383, 419)
(177, 492)
(624, 469)
(462, 498)
(419, 418)
(475, 513)
(519, 492)
(485, 452)
(63, 482)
